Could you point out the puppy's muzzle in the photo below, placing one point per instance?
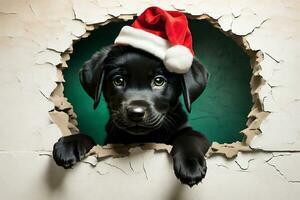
(136, 110)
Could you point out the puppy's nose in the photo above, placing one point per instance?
(136, 113)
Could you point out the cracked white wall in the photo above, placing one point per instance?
(35, 39)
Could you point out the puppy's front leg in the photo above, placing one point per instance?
(70, 149)
(189, 149)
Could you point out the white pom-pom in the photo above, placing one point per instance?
(178, 59)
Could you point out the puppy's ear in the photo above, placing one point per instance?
(193, 83)
(92, 75)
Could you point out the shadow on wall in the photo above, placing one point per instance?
(220, 113)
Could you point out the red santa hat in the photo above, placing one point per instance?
(164, 34)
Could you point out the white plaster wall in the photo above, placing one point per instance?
(35, 33)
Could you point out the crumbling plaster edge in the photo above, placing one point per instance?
(64, 116)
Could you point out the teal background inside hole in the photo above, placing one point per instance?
(220, 112)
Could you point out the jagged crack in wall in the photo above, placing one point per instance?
(230, 150)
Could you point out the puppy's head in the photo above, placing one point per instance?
(138, 89)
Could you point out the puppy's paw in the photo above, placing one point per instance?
(189, 170)
(71, 149)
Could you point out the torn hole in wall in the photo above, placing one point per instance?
(236, 113)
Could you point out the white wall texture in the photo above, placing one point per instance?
(35, 39)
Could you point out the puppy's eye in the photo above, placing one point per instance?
(119, 81)
(159, 81)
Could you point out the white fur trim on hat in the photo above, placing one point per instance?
(177, 59)
(143, 40)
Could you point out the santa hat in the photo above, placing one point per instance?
(164, 34)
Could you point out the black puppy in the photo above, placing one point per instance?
(143, 101)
